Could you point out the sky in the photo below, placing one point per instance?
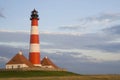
(81, 35)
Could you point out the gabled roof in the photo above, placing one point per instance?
(20, 59)
(47, 62)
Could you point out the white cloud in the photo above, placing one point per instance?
(46, 43)
(70, 27)
(73, 49)
(84, 45)
(61, 33)
(116, 40)
(94, 23)
(15, 31)
(88, 55)
(100, 56)
(103, 19)
(3, 59)
(15, 44)
(43, 32)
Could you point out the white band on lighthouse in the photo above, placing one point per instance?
(34, 48)
(34, 30)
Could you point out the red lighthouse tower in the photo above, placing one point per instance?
(34, 50)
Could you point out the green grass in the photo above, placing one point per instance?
(10, 74)
(52, 75)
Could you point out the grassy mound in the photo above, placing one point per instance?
(8, 74)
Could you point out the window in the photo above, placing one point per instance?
(12, 67)
(18, 66)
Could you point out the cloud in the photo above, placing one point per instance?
(85, 55)
(114, 30)
(3, 59)
(104, 18)
(1, 14)
(15, 44)
(96, 41)
(53, 40)
(13, 36)
(70, 27)
(80, 64)
(67, 49)
(109, 40)
(45, 44)
(108, 47)
(93, 24)
(60, 33)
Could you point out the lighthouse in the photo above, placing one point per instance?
(20, 61)
(34, 49)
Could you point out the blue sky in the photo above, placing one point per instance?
(74, 34)
(53, 13)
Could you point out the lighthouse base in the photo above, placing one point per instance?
(37, 65)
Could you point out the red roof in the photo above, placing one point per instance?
(47, 62)
(20, 59)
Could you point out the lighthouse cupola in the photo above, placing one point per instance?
(34, 15)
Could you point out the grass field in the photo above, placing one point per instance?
(86, 77)
(10, 74)
(52, 75)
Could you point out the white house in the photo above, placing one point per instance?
(18, 61)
